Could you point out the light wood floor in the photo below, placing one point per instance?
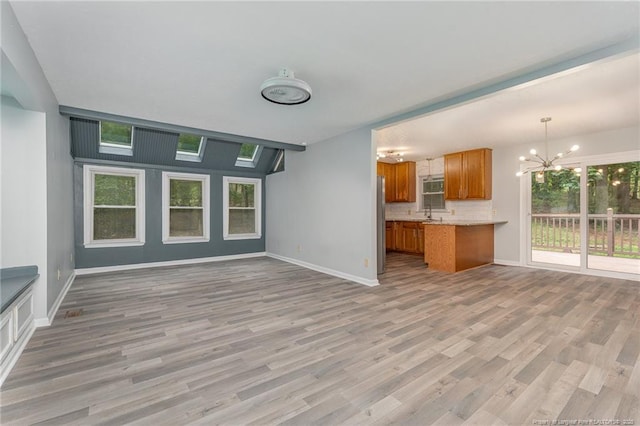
(263, 342)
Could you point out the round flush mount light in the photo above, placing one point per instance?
(285, 89)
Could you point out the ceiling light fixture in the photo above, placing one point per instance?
(429, 177)
(398, 156)
(285, 89)
(543, 164)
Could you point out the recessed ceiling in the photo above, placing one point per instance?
(593, 98)
(200, 64)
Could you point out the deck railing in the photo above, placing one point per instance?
(609, 234)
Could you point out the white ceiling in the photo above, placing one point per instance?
(200, 64)
(597, 97)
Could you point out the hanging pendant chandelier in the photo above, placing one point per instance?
(393, 155)
(541, 164)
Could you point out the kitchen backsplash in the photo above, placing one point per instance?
(455, 210)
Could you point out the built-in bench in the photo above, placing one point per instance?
(16, 317)
(14, 282)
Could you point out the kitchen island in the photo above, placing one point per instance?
(452, 246)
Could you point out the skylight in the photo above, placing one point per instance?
(248, 152)
(190, 147)
(116, 138)
(249, 155)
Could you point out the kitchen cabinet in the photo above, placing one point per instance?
(405, 182)
(405, 236)
(389, 172)
(467, 175)
(390, 235)
(410, 237)
(453, 248)
(399, 181)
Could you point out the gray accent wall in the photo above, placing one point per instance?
(158, 147)
(154, 250)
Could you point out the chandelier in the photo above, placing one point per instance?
(398, 156)
(543, 164)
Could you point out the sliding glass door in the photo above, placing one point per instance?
(555, 217)
(614, 217)
(586, 216)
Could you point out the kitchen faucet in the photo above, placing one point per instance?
(429, 210)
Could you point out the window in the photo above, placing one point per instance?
(249, 155)
(116, 138)
(185, 208)
(432, 193)
(190, 147)
(242, 212)
(113, 206)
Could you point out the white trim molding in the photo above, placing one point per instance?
(45, 322)
(116, 268)
(89, 172)
(328, 271)
(257, 207)
(166, 207)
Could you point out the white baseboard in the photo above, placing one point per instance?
(333, 272)
(45, 322)
(14, 354)
(506, 262)
(116, 268)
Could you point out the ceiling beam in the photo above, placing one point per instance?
(139, 122)
(627, 46)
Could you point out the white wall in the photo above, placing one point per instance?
(320, 211)
(28, 85)
(23, 216)
(506, 189)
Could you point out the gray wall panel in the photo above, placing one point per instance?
(154, 250)
(158, 147)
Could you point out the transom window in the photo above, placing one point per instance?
(242, 211)
(113, 206)
(432, 196)
(190, 147)
(185, 200)
(116, 138)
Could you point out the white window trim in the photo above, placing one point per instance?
(257, 200)
(420, 193)
(89, 172)
(112, 148)
(206, 211)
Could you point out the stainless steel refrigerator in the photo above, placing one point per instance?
(380, 225)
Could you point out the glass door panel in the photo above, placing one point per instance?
(555, 217)
(614, 217)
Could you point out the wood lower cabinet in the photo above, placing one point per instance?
(453, 248)
(390, 235)
(405, 236)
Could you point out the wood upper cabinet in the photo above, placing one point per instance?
(467, 175)
(389, 172)
(399, 181)
(406, 182)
